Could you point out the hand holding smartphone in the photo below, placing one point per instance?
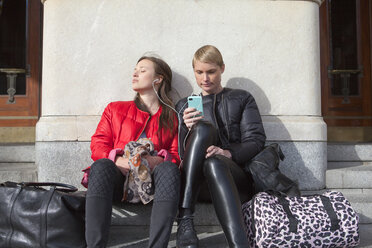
(197, 103)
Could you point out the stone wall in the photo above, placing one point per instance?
(270, 48)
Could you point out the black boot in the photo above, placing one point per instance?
(164, 210)
(105, 186)
(162, 217)
(98, 219)
(186, 234)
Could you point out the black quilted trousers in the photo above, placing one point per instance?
(106, 186)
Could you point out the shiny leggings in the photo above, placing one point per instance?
(227, 183)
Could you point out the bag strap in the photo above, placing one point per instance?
(43, 216)
(58, 186)
(12, 201)
(278, 150)
(331, 212)
(293, 222)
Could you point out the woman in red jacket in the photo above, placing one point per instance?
(123, 122)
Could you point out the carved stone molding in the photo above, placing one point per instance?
(315, 1)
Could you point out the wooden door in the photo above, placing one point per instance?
(20, 69)
(345, 46)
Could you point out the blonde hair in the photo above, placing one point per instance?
(208, 54)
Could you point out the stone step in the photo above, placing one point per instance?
(139, 215)
(365, 231)
(349, 151)
(18, 172)
(349, 175)
(130, 222)
(17, 153)
(137, 236)
(209, 236)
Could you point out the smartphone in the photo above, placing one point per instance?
(196, 102)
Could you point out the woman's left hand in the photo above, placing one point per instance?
(214, 150)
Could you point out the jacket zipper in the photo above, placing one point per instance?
(143, 129)
(215, 119)
(225, 117)
(214, 114)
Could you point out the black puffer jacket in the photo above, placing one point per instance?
(240, 130)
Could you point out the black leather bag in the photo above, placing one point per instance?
(264, 168)
(34, 216)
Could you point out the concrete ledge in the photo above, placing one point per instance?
(17, 153)
(349, 152)
(349, 175)
(66, 128)
(18, 172)
(295, 128)
(278, 128)
(62, 161)
(305, 162)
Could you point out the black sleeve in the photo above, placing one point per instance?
(252, 133)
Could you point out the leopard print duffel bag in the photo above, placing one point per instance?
(275, 220)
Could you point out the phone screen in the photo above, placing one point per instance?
(196, 102)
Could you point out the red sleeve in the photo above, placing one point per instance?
(173, 149)
(102, 140)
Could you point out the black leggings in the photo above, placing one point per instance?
(106, 186)
(194, 184)
(228, 184)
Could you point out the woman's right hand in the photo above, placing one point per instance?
(122, 164)
(190, 117)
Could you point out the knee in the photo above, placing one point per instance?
(167, 182)
(166, 169)
(213, 166)
(205, 129)
(101, 167)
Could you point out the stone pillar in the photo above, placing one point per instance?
(271, 48)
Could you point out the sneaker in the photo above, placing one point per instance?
(186, 234)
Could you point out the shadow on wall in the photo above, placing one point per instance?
(295, 166)
(181, 87)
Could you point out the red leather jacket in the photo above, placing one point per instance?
(122, 122)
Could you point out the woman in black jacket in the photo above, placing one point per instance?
(214, 147)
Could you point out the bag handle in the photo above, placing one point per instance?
(293, 222)
(331, 212)
(58, 186)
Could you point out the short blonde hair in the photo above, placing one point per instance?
(208, 54)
